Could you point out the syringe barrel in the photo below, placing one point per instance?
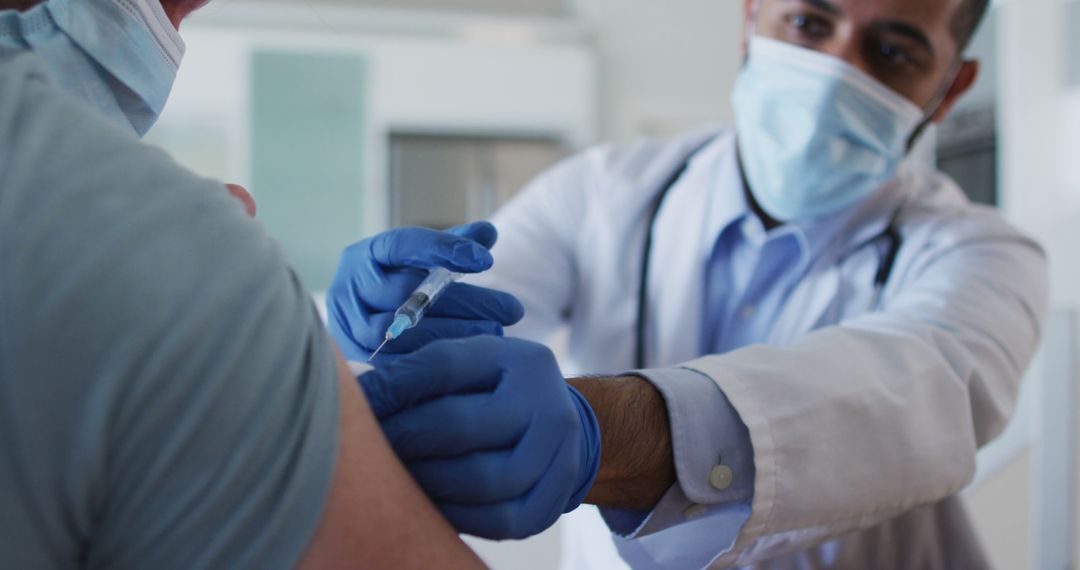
(427, 294)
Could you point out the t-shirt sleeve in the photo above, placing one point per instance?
(168, 391)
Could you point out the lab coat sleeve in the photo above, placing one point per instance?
(864, 421)
(536, 262)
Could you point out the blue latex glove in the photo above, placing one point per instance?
(377, 275)
(491, 431)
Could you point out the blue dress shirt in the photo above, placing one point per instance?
(752, 272)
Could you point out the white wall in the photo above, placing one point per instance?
(1041, 136)
(432, 75)
(1040, 117)
(664, 66)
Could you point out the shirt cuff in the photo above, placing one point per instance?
(714, 458)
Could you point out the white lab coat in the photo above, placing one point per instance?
(864, 424)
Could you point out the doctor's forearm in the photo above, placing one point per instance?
(637, 465)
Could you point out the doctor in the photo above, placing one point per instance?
(825, 332)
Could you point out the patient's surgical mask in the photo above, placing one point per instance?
(120, 56)
(816, 135)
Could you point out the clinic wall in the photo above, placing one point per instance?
(1040, 138)
(664, 66)
(435, 83)
(626, 68)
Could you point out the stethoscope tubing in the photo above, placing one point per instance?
(881, 278)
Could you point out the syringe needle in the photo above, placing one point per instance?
(378, 350)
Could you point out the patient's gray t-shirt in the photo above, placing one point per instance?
(168, 397)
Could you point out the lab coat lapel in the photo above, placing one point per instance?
(677, 270)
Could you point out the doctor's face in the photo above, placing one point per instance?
(912, 46)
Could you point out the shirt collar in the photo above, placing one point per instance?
(718, 166)
(728, 207)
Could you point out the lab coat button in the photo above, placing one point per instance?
(695, 511)
(748, 312)
(721, 477)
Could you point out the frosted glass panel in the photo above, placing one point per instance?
(307, 133)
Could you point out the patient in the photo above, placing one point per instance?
(168, 395)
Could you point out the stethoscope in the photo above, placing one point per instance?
(881, 278)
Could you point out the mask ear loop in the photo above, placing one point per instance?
(936, 104)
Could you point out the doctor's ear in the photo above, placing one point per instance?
(965, 79)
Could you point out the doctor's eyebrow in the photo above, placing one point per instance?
(823, 5)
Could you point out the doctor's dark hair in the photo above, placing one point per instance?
(967, 20)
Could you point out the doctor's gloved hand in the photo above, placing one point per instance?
(377, 275)
(491, 431)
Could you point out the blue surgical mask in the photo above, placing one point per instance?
(119, 56)
(816, 135)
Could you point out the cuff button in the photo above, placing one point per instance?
(721, 477)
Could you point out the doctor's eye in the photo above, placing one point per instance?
(893, 55)
(895, 58)
(809, 26)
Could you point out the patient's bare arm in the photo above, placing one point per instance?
(376, 516)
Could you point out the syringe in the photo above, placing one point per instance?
(410, 313)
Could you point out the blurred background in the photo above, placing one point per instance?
(345, 118)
